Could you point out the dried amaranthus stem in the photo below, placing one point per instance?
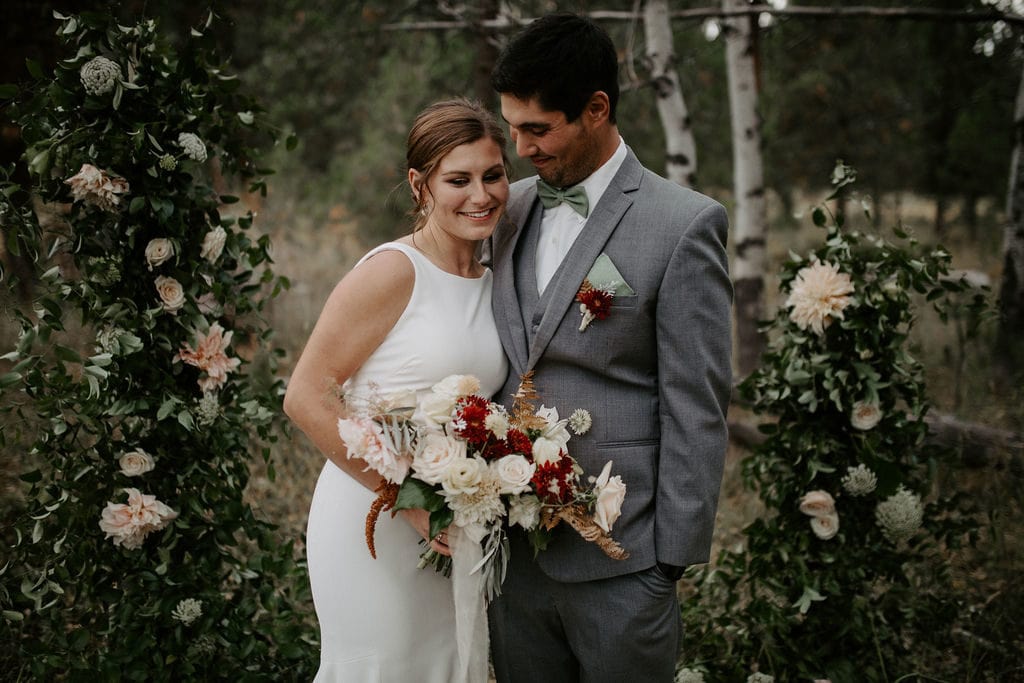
(387, 496)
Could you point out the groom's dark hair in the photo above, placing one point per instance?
(562, 59)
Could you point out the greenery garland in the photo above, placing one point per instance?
(142, 384)
(847, 566)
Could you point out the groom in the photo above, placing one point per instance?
(654, 373)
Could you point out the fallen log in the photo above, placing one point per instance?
(980, 446)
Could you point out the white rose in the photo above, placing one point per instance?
(213, 244)
(611, 491)
(817, 504)
(158, 251)
(436, 453)
(172, 296)
(134, 463)
(435, 409)
(865, 415)
(514, 472)
(524, 511)
(464, 476)
(825, 526)
(546, 451)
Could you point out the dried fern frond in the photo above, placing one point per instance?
(583, 522)
(524, 405)
(387, 496)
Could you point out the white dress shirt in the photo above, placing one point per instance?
(560, 226)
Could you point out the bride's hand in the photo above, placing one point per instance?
(420, 521)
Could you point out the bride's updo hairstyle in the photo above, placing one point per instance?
(438, 130)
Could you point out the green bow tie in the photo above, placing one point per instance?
(575, 196)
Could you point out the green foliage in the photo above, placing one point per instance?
(97, 373)
(798, 604)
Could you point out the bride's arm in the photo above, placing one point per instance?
(357, 317)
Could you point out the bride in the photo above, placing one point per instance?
(410, 313)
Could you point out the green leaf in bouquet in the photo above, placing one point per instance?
(418, 495)
(440, 520)
(539, 539)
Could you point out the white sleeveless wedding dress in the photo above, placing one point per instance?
(384, 620)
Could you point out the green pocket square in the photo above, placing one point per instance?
(604, 274)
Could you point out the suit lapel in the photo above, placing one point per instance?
(507, 313)
(604, 219)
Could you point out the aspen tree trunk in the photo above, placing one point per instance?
(486, 53)
(748, 182)
(1011, 292)
(680, 148)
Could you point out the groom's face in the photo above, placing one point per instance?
(562, 152)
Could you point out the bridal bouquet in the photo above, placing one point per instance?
(473, 464)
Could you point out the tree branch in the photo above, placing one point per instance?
(700, 13)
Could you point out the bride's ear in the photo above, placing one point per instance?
(415, 182)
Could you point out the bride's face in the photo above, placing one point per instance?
(468, 191)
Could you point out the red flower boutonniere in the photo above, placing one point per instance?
(595, 302)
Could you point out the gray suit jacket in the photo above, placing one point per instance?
(655, 375)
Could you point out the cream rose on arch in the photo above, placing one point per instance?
(136, 462)
(213, 244)
(865, 415)
(158, 251)
(172, 295)
(825, 526)
(817, 503)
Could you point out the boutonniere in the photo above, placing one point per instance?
(595, 302)
(599, 287)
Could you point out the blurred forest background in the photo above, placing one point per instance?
(922, 108)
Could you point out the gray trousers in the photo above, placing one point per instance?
(626, 628)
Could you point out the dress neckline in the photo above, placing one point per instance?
(439, 269)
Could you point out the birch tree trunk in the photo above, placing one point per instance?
(486, 46)
(748, 183)
(680, 148)
(1011, 291)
